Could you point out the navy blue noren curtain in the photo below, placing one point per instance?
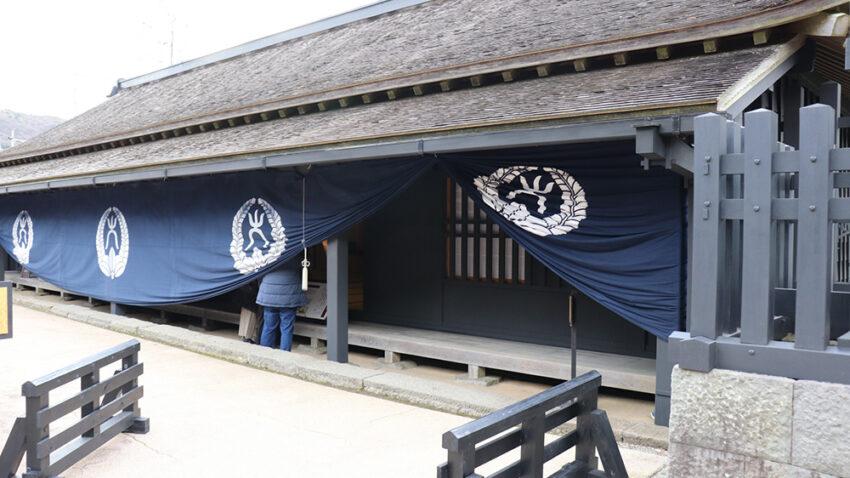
(175, 241)
(588, 212)
(593, 216)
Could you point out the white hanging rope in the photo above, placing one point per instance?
(305, 264)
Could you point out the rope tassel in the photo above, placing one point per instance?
(305, 265)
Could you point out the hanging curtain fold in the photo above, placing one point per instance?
(593, 216)
(190, 239)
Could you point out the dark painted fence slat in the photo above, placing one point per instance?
(814, 244)
(760, 138)
(710, 145)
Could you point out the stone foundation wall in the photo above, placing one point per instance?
(734, 424)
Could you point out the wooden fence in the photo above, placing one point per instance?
(756, 160)
(107, 408)
(524, 424)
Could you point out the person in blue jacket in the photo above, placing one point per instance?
(280, 295)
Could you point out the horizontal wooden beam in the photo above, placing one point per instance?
(824, 25)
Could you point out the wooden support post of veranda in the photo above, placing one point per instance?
(337, 325)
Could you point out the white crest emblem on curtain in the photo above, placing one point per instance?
(22, 237)
(573, 207)
(112, 243)
(261, 249)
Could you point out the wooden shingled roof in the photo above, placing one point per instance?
(693, 84)
(411, 52)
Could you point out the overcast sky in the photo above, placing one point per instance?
(60, 57)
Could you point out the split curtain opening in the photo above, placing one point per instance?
(588, 212)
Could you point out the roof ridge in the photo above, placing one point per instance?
(387, 6)
(362, 13)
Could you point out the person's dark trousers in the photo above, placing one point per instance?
(274, 317)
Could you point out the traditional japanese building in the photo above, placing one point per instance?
(457, 169)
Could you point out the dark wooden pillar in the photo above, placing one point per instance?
(338, 300)
(117, 309)
(792, 101)
(663, 373)
(4, 263)
(830, 94)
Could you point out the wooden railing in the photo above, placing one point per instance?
(723, 150)
(524, 424)
(107, 408)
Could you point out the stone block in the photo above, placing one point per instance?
(687, 461)
(482, 381)
(736, 412)
(434, 394)
(127, 325)
(334, 374)
(641, 433)
(311, 350)
(382, 364)
(821, 439)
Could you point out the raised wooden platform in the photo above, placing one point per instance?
(204, 313)
(618, 371)
(36, 284)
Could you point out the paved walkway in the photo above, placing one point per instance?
(214, 418)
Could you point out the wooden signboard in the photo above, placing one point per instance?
(317, 302)
(5, 310)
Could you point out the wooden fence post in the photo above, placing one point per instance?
(709, 144)
(35, 466)
(531, 450)
(462, 461)
(730, 313)
(87, 381)
(586, 448)
(814, 241)
(759, 271)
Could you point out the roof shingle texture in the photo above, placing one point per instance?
(431, 36)
(685, 82)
